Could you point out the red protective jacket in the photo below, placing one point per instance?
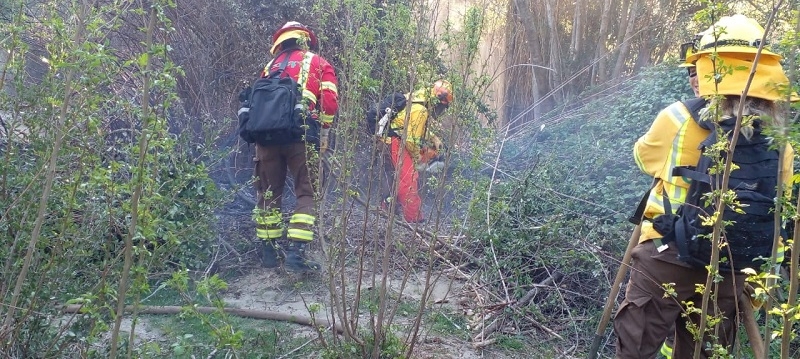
(316, 76)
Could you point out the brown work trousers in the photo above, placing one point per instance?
(273, 163)
(646, 316)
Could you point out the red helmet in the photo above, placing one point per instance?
(294, 30)
(443, 91)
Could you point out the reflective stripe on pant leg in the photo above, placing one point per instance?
(666, 351)
(301, 227)
(268, 226)
(269, 234)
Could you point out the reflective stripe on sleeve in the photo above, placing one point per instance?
(781, 253)
(666, 351)
(327, 85)
(325, 118)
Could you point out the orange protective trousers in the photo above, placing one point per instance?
(408, 186)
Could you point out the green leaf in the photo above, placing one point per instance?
(143, 58)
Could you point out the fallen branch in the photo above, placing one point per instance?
(495, 324)
(244, 313)
(484, 343)
(421, 232)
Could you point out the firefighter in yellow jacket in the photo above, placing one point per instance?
(412, 144)
(646, 315)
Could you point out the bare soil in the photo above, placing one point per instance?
(272, 290)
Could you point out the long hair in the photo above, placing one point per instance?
(755, 109)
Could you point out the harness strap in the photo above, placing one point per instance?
(690, 173)
(681, 241)
(678, 232)
(288, 54)
(638, 214)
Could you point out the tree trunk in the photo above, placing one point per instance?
(625, 45)
(598, 72)
(577, 31)
(556, 62)
(526, 18)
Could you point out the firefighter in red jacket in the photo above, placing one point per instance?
(317, 80)
(412, 145)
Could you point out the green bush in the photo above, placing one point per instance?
(562, 213)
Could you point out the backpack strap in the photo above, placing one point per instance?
(689, 172)
(681, 241)
(678, 234)
(638, 214)
(694, 106)
(282, 67)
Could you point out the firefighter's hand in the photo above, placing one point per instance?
(323, 140)
(426, 154)
(437, 143)
(752, 294)
(420, 167)
(244, 95)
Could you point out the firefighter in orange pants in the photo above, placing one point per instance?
(412, 145)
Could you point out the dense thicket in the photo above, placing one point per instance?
(115, 116)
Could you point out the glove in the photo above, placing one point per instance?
(420, 167)
(426, 154)
(435, 167)
(437, 142)
(244, 95)
(755, 296)
(323, 139)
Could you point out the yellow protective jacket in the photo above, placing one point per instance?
(673, 140)
(415, 130)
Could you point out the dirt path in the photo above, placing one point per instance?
(270, 290)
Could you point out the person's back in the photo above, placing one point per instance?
(647, 314)
(317, 79)
(314, 74)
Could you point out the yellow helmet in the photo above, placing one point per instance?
(293, 30)
(442, 90)
(731, 34)
(736, 39)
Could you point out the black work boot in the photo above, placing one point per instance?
(269, 254)
(296, 258)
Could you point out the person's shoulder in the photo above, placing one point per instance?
(674, 105)
(419, 108)
(316, 56)
(671, 108)
(320, 61)
(692, 106)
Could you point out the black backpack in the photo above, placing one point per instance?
(276, 114)
(749, 237)
(394, 103)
